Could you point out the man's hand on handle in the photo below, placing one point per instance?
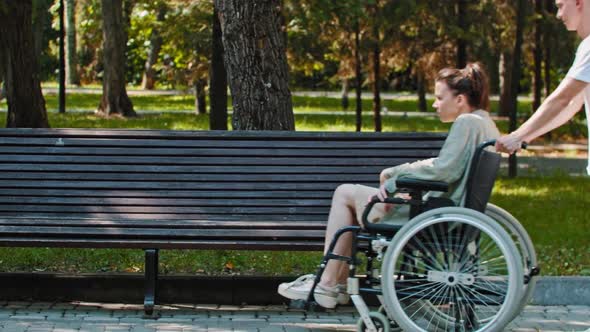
(509, 143)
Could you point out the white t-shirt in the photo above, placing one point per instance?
(580, 71)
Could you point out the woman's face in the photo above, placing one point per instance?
(446, 103)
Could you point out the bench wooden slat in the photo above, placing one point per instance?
(220, 135)
(242, 210)
(197, 169)
(163, 244)
(219, 161)
(177, 233)
(158, 193)
(216, 152)
(223, 144)
(282, 217)
(179, 177)
(161, 223)
(108, 201)
(129, 185)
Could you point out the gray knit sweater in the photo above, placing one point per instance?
(452, 164)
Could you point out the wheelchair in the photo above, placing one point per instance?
(449, 268)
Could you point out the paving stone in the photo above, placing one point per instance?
(28, 317)
(322, 321)
(194, 329)
(100, 319)
(281, 319)
(296, 329)
(71, 325)
(65, 329)
(142, 329)
(92, 329)
(175, 320)
(273, 328)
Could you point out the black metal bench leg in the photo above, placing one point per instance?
(151, 280)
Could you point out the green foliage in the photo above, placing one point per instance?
(143, 21)
(89, 34)
(186, 51)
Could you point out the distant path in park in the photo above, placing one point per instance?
(329, 94)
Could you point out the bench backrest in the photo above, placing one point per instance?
(251, 180)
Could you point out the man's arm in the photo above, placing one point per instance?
(557, 109)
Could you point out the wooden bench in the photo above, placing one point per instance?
(154, 190)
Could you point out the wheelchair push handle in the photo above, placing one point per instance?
(492, 142)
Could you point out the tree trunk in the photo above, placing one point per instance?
(40, 17)
(358, 76)
(256, 63)
(376, 71)
(547, 51)
(26, 105)
(516, 72)
(538, 56)
(72, 76)
(460, 9)
(505, 83)
(62, 58)
(200, 96)
(114, 94)
(218, 78)
(422, 103)
(344, 97)
(549, 8)
(2, 88)
(149, 76)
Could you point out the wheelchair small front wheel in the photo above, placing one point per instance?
(446, 270)
(379, 320)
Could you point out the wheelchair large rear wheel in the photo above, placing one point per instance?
(523, 243)
(447, 270)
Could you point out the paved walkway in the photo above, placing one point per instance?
(82, 316)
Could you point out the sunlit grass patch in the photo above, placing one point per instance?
(554, 210)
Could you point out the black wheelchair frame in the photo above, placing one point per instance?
(481, 177)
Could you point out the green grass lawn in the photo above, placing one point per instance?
(304, 122)
(89, 102)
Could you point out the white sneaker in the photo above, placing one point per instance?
(327, 297)
(343, 296)
(297, 289)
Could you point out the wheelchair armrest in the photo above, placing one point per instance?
(423, 185)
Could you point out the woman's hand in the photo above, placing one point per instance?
(382, 195)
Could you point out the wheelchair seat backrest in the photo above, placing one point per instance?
(481, 178)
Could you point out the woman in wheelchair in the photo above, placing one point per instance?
(462, 97)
